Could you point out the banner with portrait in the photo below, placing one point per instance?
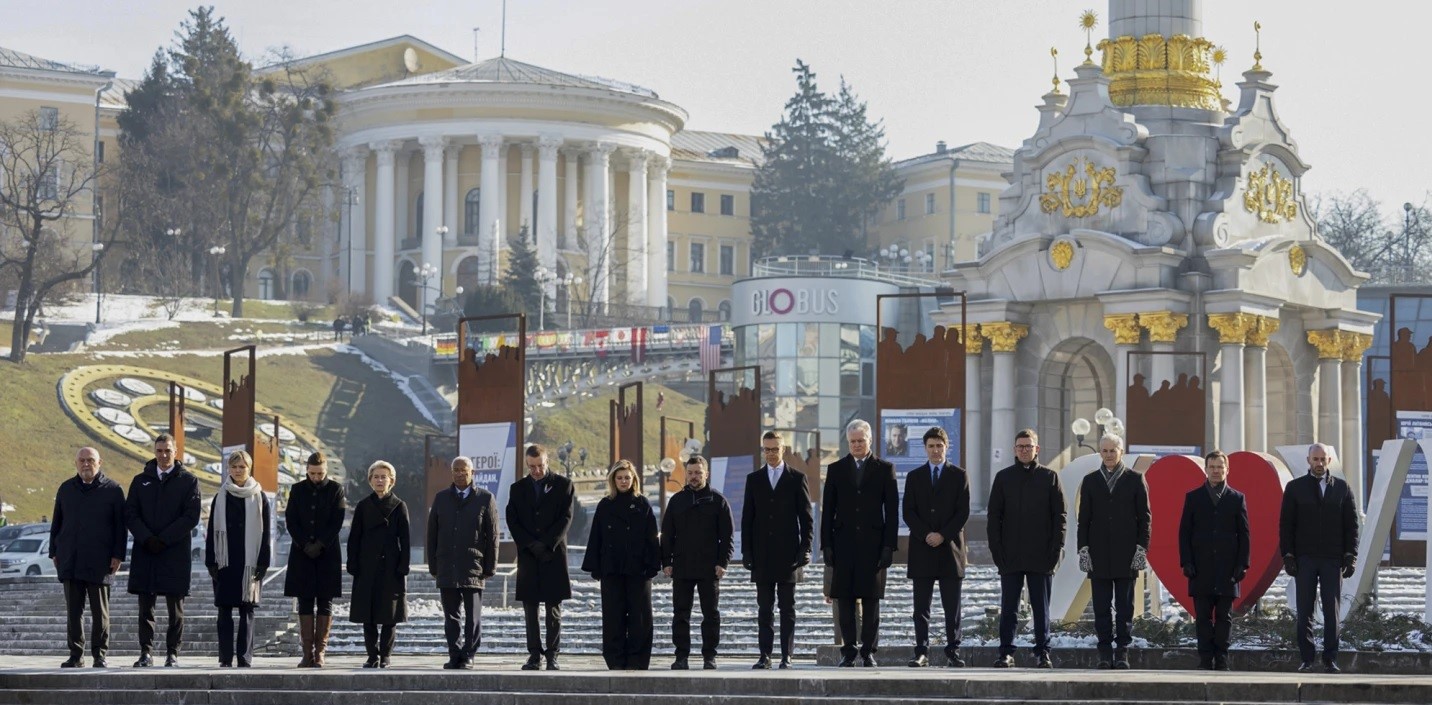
(899, 441)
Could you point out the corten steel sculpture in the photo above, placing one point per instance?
(176, 418)
(492, 388)
(807, 463)
(1410, 390)
(733, 423)
(673, 439)
(1173, 414)
(238, 415)
(438, 452)
(624, 428)
(928, 374)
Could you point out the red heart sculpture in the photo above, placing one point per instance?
(1259, 476)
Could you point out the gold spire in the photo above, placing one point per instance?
(1257, 46)
(1054, 52)
(1088, 21)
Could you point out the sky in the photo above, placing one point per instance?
(955, 70)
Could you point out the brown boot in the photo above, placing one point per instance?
(305, 635)
(322, 626)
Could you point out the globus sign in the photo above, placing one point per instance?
(782, 301)
(806, 300)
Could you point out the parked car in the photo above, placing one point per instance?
(29, 555)
(15, 531)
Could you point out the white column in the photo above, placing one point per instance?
(524, 190)
(1255, 398)
(1351, 451)
(355, 231)
(637, 262)
(981, 472)
(1003, 339)
(547, 205)
(1230, 401)
(570, 156)
(656, 235)
(450, 197)
(1330, 402)
(383, 231)
(402, 201)
(488, 199)
(432, 243)
(600, 240)
(503, 204)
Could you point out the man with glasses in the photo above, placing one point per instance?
(1113, 546)
(775, 544)
(1027, 520)
(161, 511)
(859, 530)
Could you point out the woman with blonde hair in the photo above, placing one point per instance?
(237, 552)
(623, 553)
(378, 555)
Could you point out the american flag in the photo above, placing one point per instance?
(711, 350)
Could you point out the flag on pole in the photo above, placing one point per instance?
(638, 345)
(711, 350)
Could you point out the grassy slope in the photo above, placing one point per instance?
(198, 335)
(585, 423)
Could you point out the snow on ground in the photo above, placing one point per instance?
(398, 379)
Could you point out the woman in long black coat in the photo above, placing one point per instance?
(315, 562)
(237, 553)
(623, 553)
(378, 555)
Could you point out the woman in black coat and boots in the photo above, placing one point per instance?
(378, 553)
(315, 563)
(236, 551)
(623, 553)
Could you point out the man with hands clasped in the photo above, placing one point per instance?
(936, 507)
(1113, 543)
(696, 546)
(1213, 549)
(1317, 537)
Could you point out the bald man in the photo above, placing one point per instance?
(1317, 535)
(87, 537)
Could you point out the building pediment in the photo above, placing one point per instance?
(1081, 263)
(1303, 271)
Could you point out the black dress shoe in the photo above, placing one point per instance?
(953, 660)
(1306, 667)
(226, 664)
(762, 664)
(1205, 663)
(1331, 667)
(145, 661)
(1220, 663)
(1004, 662)
(920, 661)
(847, 661)
(245, 664)
(868, 661)
(1043, 661)
(1104, 664)
(372, 662)
(1121, 664)
(452, 663)
(74, 662)
(709, 663)
(534, 663)
(552, 663)
(171, 661)
(785, 662)
(382, 662)
(101, 663)
(679, 665)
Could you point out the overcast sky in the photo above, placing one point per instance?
(957, 70)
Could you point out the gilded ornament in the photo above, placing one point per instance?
(1125, 327)
(1088, 20)
(1355, 345)
(1061, 255)
(1081, 197)
(1158, 70)
(1260, 329)
(1330, 343)
(1163, 326)
(1232, 327)
(1298, 259)
(1003, 336)
(974, 340)
(1269, 195)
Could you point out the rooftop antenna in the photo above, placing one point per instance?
(504, 29)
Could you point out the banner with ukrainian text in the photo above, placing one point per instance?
(492, 447)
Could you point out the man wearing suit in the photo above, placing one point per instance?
(775, 544)
(936, 507)
(1213, 550)
(859, 528)
(462, 554)
(1027, 524)
(539, 514)
(161, 510)
(1113, 546)
(1317, 535)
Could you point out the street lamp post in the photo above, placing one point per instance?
(567, 282)
(544, 277)
(97, 248)
(218, 252)
(425, 274)
(350, 199)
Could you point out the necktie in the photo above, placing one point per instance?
(775, 477)
(934, 474)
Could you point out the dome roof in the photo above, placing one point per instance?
(510, 71)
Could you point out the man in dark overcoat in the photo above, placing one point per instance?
(462, 555)
(539, 515)
(859, 531)
(161, 511)
(314, 518)
(696, 547)
(776, 533)
(1317, 537)
(1113, 546)
(1213, 549)
(936, 507)
(87, 538)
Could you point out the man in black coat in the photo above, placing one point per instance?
(775, 544)
(539, 515)
(87, 540)
(1113, 546)
(1027, 522)
(1317, 537)
(462, 554)
(696, 546)
(936, 507)
(1213, 549)
(161, 511)
(859, 530)
(314, 518)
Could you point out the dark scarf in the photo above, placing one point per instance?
(1111, 477)
(87, 488)
(1217, 494)
(385, 506)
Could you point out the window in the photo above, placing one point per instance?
(728, 260)
(49, 186)
(472, 212)
(900, 209)
(99, 155)
(301, 282)
(698, 202)
(418, 216)
(670, 200)
(49, 118)
(266, 284)
(984, 202)
(929, 203)
(728, 205)
(698, 258)
(670, 255)
(694, 309)
(469, 273)
(725, 309)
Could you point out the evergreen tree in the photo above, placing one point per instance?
(486, 300)
(520, 279)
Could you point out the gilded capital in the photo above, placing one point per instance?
(1260, 329)
(1163, 326)
(1330, 343)
(1232, 327)
(1125, 327)
(1004, 336)
(974, 340)
(1354, 345)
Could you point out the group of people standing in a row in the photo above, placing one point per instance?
(861, 511)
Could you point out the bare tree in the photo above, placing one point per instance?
(1393, 249)
(609, 263)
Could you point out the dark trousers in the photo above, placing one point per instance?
(949, 603)
(76, 592)
(462, 620)
(323, 605)
(534, 630)
(241, 644)
(1213, 623)
(681, 598)
(835, 618)
(1010, 586)
(379, 643)
(769, 596)
(175, 633)
(1318, 575)
(869, 626)
(626, 622)
(1113, 613)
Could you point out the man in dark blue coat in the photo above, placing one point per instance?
(776, 532)
(87, 545)
(936, 507)
(539, 515)
(462, 555)
(1213, 549)
(161, 511)
(1317, 536)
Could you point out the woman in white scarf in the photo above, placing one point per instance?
(237, 553)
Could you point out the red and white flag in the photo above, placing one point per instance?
(638, 345)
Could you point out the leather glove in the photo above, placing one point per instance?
(1141, 559)
(1239, 576)
(154, 544)
(213, 572)
(313, 549)
(748, 564)
(887, 557)
(804, 560)
(1290, 565)
(1086, 564)
(827, 555)
(486, 576)
(1349, 565)
(1188, 571)
(539, 551)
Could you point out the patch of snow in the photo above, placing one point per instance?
(400, 380)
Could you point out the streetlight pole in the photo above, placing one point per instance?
(97, 247)
(350, 199)
(425, 274)
(218, 252)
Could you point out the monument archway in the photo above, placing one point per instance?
(1282, 398)
(1075, 380)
